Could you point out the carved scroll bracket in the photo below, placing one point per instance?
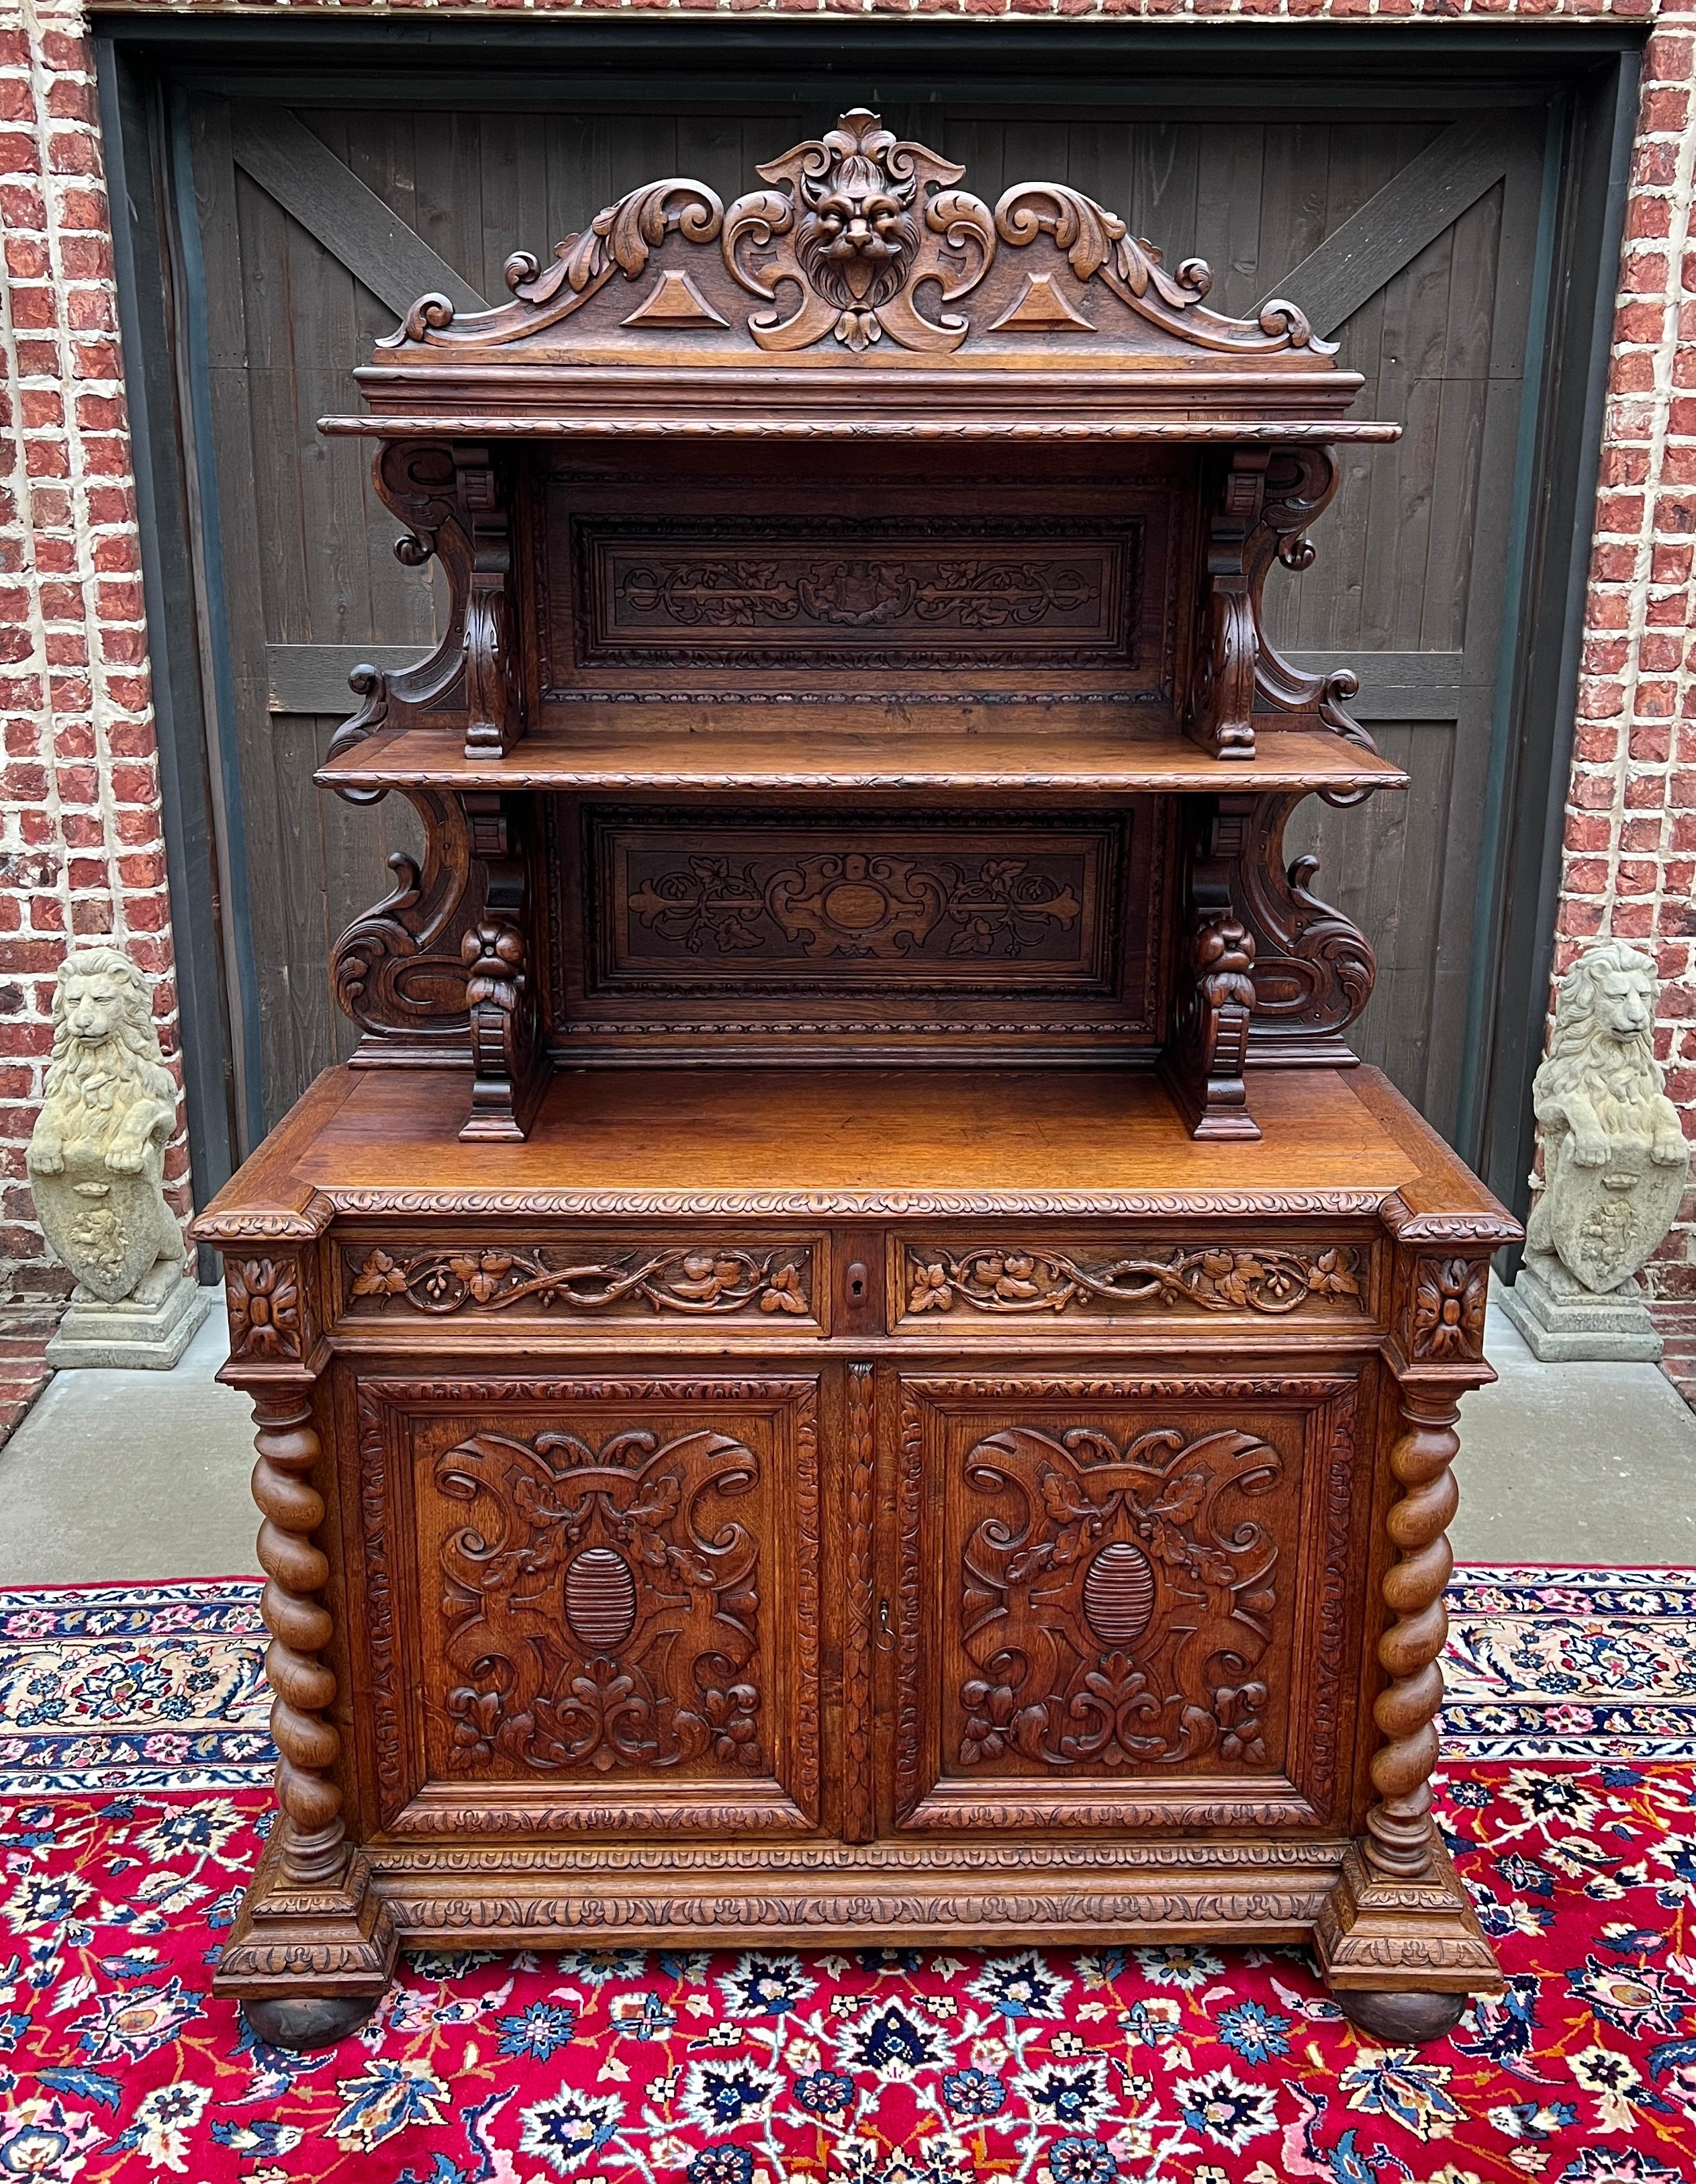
(398, 969)
(1202, 1063)
(494, 689)
(509, 1068)
(1314, 968)
(1300, 483)
(454, 499)
(1220, 714)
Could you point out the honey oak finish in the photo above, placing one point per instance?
(852, 1356)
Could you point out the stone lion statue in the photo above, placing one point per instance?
(97, 1156)
(1614, 1157)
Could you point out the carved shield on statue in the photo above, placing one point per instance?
(1606, 1221)
(104, 1227)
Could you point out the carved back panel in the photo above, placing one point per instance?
(694, 934)
(852, 578)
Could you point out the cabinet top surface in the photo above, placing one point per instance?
(807, 1141)
(861, 295)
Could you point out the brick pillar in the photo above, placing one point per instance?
(82, 852)
(1630, 865)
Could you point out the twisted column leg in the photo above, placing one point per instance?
(1397, 1939)
(314, 1852)
(1401, 1835)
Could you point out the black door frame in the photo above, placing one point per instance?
(1587, 75)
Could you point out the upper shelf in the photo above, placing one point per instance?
(862, 295)
(617, 750)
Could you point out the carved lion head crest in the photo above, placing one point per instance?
(857, 235)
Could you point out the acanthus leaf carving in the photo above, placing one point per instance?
(622, 239)
(860, 238)
(857, 906)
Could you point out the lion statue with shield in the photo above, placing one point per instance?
(97, 1156)
(1615, 1159)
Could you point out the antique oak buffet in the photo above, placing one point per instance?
(853, 1357)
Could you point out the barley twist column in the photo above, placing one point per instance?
(1400, 1831)
(313, 1850)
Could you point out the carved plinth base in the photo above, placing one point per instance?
(147, 1332)
(1384, 1938)
(562, 1895)
(1209, 1107)
(502, 1110)
(1563, 1322)
(324, 1953)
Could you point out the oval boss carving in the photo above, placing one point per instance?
(1118, 1594)
(600, 1599)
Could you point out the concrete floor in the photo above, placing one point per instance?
(145, 1474)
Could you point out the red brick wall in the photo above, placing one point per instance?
(80, 854)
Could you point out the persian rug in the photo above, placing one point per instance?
(132, 1761)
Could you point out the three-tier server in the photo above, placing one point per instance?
(854, 1357)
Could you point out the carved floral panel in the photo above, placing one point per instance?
(942, 1283)
(1102, 1597)
(618, 1595)
(703, 1278)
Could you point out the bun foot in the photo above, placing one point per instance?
(307, 2021)
(1402, 2020)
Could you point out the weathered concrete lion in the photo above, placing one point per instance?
(1615, 1158)
(96, 1156)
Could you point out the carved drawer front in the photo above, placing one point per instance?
(489, 1281)
(962, 1284)
(1123, 1602)
(592, 1604)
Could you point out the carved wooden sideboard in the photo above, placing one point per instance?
(853, 1357)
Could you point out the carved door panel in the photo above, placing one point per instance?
(592, 1603)
(1123, 1602)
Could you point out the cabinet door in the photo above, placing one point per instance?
(590, 1604)
(1124, 1603)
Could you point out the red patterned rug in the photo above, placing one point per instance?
(129, 1741)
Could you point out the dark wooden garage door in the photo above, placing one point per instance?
(1411, 240)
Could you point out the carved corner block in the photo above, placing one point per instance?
(336, 1940)
(275, 1320)
(1442, 1316)
(1380, 1934)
